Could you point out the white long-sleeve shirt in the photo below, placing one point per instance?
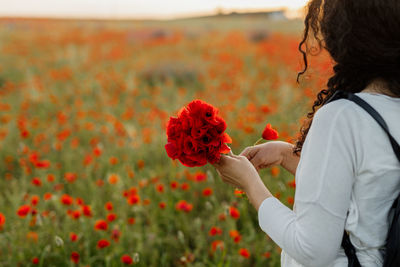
(346, 164)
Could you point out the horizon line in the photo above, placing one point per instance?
(295, 13)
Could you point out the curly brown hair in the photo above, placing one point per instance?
(363, 39)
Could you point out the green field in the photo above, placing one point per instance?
(83, 110)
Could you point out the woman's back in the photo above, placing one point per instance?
(354, 147)
(377, 177)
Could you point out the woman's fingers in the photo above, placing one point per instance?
(227, 179)
(249, 152)
(245, 152)
(257, 162)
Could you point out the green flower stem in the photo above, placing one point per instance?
(258, 141)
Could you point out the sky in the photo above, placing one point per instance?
(139, 9)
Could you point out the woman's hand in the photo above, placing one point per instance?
(272, 153)
(239, 172)
(236, 170)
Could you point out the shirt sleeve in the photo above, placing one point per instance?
(312, 234)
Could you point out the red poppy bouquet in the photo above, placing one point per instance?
(197, 135)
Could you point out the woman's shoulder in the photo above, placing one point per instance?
(339, 110)
(345, 118)
(344, 109)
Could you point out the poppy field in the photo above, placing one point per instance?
(84, 175)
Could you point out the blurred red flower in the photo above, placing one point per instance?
(217, 244)
(103, 243)
(185, 186)
(2, 220)
(184, 206)
(101, 225)
(66, 199)
(35, 200)
(200, 177)
(111, 217)
(23, 210)
(234, 212)
(115, 234)
(47, 196)
(215, 231)
(269, 133)
(35, 260)
(87, 210)
(160, 188)
(133, 199)
(174, 184)
(36, 181)
(244, 253)
(75, 257)
(126, 259)
(70, 177)
(108, 206)
(207, 192)
(267, 255)
(197, 135)
(235, 235)
(73, 237)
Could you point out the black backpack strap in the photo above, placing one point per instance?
(350, 251)
(346, 244)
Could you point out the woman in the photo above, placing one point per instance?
(347, 175)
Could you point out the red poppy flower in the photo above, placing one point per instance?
(217, 244)
(111, 217)
(185, 186)
(234, 212)
(269, 133)
(235, 235)
(207, 192)
(35, 260)
(75, 257)
(244, 253)
(66, 199)
(174, 184)
(101, 225)
(160, 188)
(23, 210)
(115, 234)
(108, 206)
(75, 214)
(47, 196)
(36, 181)
(215, 231)
(73, 237)
(292, 183)
(97, 151)
(70, 177)
(87, 210)
(35, 200)
(197, 135)
(200, 177)
(2, 220)
(126, 259)
(103, 243)
(184, 206)
(267, 255)
(133, 199)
